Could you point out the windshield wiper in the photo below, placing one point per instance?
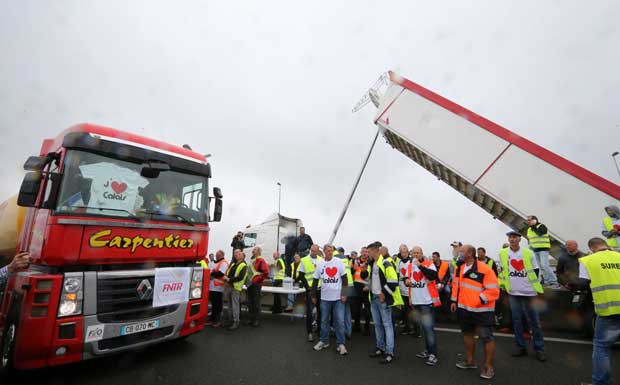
(131, 215)
(181, 217)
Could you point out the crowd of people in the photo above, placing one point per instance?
(407, 288)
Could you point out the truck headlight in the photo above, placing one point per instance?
(72, 295)
(196, 292)
(196, 288)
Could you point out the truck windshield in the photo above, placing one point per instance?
(98, 185)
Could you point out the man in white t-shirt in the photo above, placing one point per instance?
(113, 187)
(333, 276)
(519, 278)
(420, 280)
(404, 260)
(216, 288)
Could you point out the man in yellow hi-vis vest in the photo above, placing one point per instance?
(540, 243)
(611, 227)
(602, 269)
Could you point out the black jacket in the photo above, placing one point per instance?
(237, 244)
(567, 270)
(303, 243)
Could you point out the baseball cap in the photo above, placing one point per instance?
(512, 232)
(456, 243)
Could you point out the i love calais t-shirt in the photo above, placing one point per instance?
(330, 274)
(113, 187)
(419, 290)
(519, 283)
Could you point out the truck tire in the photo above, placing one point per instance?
(7, 349)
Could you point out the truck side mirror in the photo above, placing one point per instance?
(35, 163)
(217, 210)
(29, 190)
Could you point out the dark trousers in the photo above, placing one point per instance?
(254, 302)
(277, 298)
(309, 307)
(216, 305)
(365, 307)
(356, 310)
(405, 312)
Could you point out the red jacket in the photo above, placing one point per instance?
(260, 266)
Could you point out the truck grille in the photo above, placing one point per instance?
(118, 300)
(132, 339)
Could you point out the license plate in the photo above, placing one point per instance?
(139, 327)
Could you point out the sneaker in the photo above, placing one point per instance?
(432, 360)
(310, 337)
(208, 323)
(377, 353)
(519, 352)
(466, 365)
(541, 356)
(406, 332)
(320, 346)
(288, 310)
(387, 359)
(342, 350)
(488, 373)
(216, 325)
(423, 354)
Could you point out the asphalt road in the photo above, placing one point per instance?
(277, 353)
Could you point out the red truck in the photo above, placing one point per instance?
(114, 223)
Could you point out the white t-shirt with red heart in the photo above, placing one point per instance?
(419, 294)
(113, 187)
(519, 283)
(403, 268)
(330, 273)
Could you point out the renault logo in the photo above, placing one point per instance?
(144, 290)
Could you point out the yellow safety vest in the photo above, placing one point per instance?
(604, 270)
(538, 241)
(309, 267)
(347, 267)
(504, 277)
(239, 284)
(609, 225)
(391, 277)
(279, 275)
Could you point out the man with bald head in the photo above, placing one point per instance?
(568, 266)
(474, 291)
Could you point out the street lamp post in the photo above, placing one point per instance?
(616, 161)
(279, 201)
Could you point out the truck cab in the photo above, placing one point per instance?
(114, 226)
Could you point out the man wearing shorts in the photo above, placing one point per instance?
(475, 289)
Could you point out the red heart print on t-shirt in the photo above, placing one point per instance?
(517, 264)
(403, 272)
(119, 187)
(418, 275)
(331, 271)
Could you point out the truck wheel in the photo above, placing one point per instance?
(8, 349)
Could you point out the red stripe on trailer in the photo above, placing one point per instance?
(542, 153)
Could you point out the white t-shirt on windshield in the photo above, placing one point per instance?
(330, 273)
(419, 290)
(113, 187)
(519, 283)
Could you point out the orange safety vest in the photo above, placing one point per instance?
(443, 270)
(219, 281)
(430, 285)
(357, 274)
(471, 288)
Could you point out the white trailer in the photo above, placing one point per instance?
(510, 177)
(273, 230)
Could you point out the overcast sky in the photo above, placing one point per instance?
(267, 88)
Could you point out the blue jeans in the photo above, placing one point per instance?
(607, 331)
(548, 276)
(335, 309)
(522, 306)
(424, 315)
(384, 329)
(348, 324)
